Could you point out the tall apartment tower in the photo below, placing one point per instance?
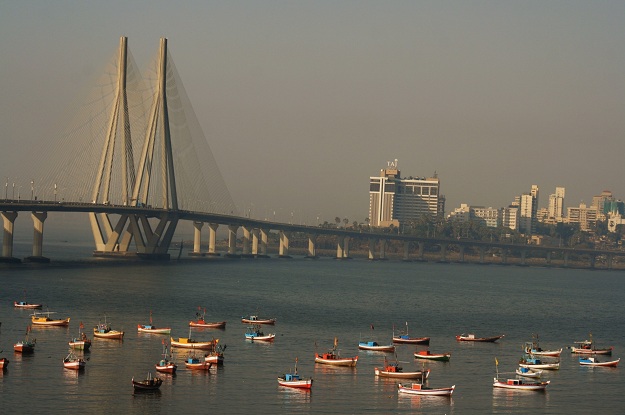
(556, 204)
(528, 209)
(393, 200)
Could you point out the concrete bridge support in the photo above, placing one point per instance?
(232, 240)
(197, 238)
(284, 244)
(523, 255)
(312, 246)
(421, 253)
(372, 243)
(38, 220)
(212, 238)
(247, 240)
(482, 254)
(255, 234)
(263, 243)
(382, 248)
(406, 251)
(346, 247)
(443, 253)
(461, 253)
(7, 241)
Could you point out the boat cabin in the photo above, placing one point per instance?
(393, 367)
(514, 382)
(370, 344)
(291, 377)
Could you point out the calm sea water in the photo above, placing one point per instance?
(314, 301)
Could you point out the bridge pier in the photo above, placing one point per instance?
(461, 253)
(372, 243)
(232, 241)
(37, 256)
(212, 239)
(197, 239)
(443, 253)
(247, 240)
(7, 241)
(382, 249)
(312, 246)
(406, 251)
(285, 236)
(523, 254)
(482, 254)
(263, 243)
(346, 247)
(421, 253)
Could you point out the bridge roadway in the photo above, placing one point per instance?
(255, 235)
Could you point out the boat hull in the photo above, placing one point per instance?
(147, 385)
(202, 323)
(612, 363)
(198, 366)
(376, 347)
(49, 322)
(22, 304)
(439, 357)
(258, 321)
(191, 344)
(545, 353)
(581, 350)
(24, 348)
(422, 390)
(4, 363)
(520, 385)
(75, 365)
(216, 359)
(265, 338)
(80, 345)
(166, 368)
(299, 384)
(530, 373)
(411, 340)
(113, 334)
(471, 338)
(423, 375)
(546, 366)
(336, 361)
(153, 330)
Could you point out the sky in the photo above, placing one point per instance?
(302, 101)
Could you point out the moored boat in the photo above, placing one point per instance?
(520, 384)
(472, 338)
(24, 304)
(421, 389)
(332, 357)
(27, 345)
(425, 354)
(593, 361)
(166, 364)
(533, 348)
(148, 384)
(104, 331)
(588, 347)
(81, 342)
(190, 343)
(43, 319)
(254, 333)
(201, 322)
(528, 372)
(374, 346)
(393, 370)
(404, 338)
(293, 380)
(151, 328)
(74, 362)
(216, 356)
(195, 363)
(257, 320)
(4, 363)
(535, 363)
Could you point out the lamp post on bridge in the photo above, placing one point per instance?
(54, 192)
(6, 189)
(32, 190)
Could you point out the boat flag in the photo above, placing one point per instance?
(496, 362)
(336, 341)
(82, 326)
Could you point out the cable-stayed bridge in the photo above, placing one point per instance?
(136, 161)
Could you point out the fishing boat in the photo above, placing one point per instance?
(528, 372)
(257, 320)
(421, 389)
(201, 322)
(426, 354)
(404, 338)
(43, 319)
(148, 384)
(332, 357)
(81, 342)
(216, 356)
(150, 328)
(74, 362)
(104, 331)
(293, 380)
(27, 345)
(393, 370)
(588, 347)
(533, 348)
(520, 384)
(4, 363)
(374, 346)
(190, 343)
(471, 338)
(593, 361)
(166, 364)
(535, 363)
(255, 334)
(195, 363)
(25, 304)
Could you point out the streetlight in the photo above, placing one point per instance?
(6, 189)
(55, 193)
(13, 195)
(32, 190)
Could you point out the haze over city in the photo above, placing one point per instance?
(301, 102)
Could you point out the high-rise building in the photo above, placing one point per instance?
(599, 201)
(556, 204)
(585, 216)
(510, 217)
(395, 200)
(528, 210)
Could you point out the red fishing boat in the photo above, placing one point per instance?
(257, 320)
(593, 361)
(393, 370)
(166, 364)
(425, 354)
(4, 363)
(27, 345)
(201, 322)
(332, 357)
(588, 347)
(293, 380)
(74, 362)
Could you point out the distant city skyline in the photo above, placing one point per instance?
(301, 102)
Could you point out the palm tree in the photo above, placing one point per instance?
(346, 222)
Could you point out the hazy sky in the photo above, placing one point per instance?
(302, 101)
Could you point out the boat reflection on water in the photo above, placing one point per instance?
(294, 396)
(426, 402)
(526, 401)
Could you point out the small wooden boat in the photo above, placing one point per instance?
(201, 322)
(195, 363)
(215, 356)
(332, 357)
(425, 354)
(593, 361)
(81, 342)
(374, 346)
(148, 384)
(528, 372)
(166, 364)
(520, 384)
(24, 304)
(535, 363)
(150, 328)
(421, 389)
(104, 331)
(404, 338)
(27, 345)
(393, 370)
(588, 347)
(43, 319)
(189, 343)
(255, 334)
(472, 338)
(4, 363)
(293, 380)
(533, 348)
(74, 362)
(257, 320)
